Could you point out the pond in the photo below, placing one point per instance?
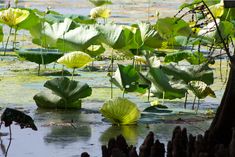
(66, 133)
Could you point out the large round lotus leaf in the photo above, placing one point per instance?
(120, 111)
(39, 56)
(12, 16)
(76, 59)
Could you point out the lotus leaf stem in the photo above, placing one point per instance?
(186, 99)
(14, 42)
(194, 102)
(8, 147)
(73, 73)
(7, 41)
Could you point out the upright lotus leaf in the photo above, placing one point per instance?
(170, 27)
(126, 78)
(76, 59)
(13, 16)
(120, 111)
(217, 9)
(100, 2)
(162, 86)
(66, 93)
(226, 28)
(149, 35)
(100, 12)
(32, 20)
(115, 36)
(201, 90)
(189, 73)
(78, 39)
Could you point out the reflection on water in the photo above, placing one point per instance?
(130, 132)
(65, 135)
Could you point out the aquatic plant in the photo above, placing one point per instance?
(39, 56)
(76, 59)
(64, 94)
(120, 111)
(100, 12)
(13, 17)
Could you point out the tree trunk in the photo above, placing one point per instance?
(221, 126)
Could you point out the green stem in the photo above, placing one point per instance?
(112, 74)
(39, 67)
(163, 98)
(7, 41)
(123, 93)
(148, 94)
(14, 42)
(185, 102)
(73, 73)
(194, 102)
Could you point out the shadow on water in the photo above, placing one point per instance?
(65, 135)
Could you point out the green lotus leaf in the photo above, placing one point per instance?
(76, 59)
(32, 20)
(120, 111)
(150, 36)
(126, 78)
(194, 58)
(39, 56)
(189, 73)
(170, 27)
(162, 87)
(95, 50)
(65, 93)
(177, 56)
(57, 18)
(115, 36)
(51, 33)
(13, 16)
(100, 12)
(217, 9)
(78, 39)
(100, 2)
(201, 90)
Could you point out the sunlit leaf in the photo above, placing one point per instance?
(79, 38)
(12, 17)
(100, 12)
(120, 111)
(217, 9)
(201, 90)
(48, 34)
(115, 36)
(75, 59)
